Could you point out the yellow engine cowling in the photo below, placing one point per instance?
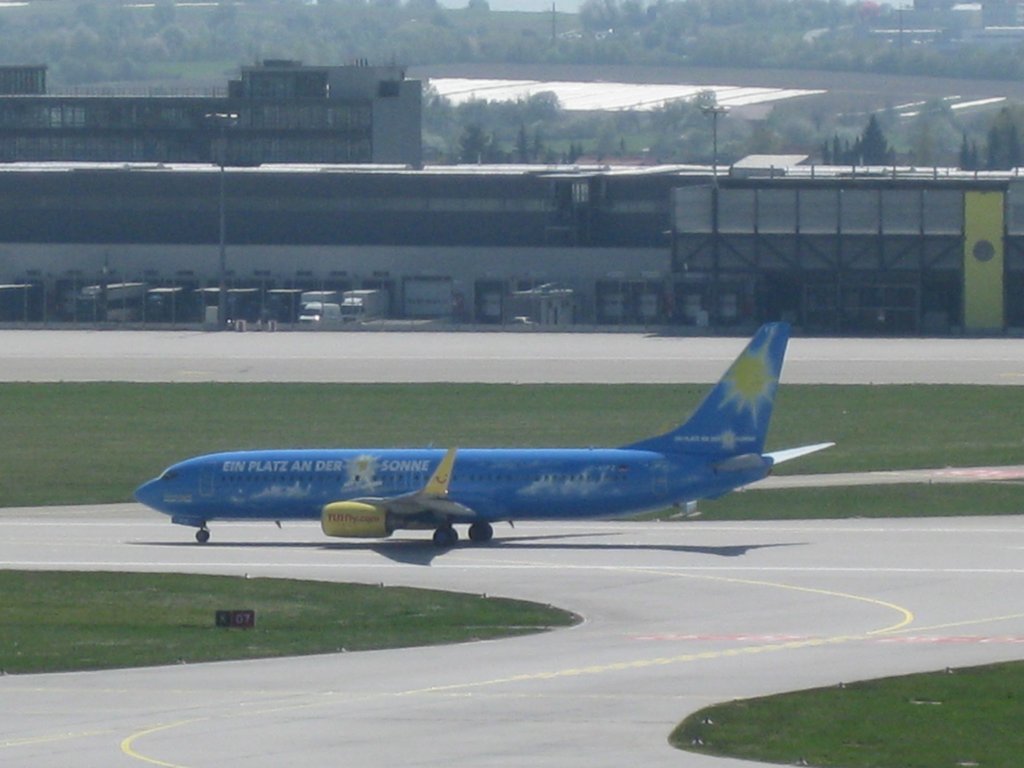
(354, 519)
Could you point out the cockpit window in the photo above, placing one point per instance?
(170, 474)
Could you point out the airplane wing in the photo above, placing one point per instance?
(430, 500)
(788, 454)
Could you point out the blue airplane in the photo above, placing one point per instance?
(370, 493)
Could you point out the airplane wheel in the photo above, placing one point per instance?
(202, 535)
(445, 536)
(480, 532)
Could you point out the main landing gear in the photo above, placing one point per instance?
(480, 532)
(203, 535)
(446, 536)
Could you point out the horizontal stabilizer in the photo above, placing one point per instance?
(741, 463)
(788, 454)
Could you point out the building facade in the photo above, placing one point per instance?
(276, 112)
(883, 254)
(452, 243)
(878, 254)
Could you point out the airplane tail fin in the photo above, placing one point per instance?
(733, 418)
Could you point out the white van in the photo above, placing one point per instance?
(320, 314)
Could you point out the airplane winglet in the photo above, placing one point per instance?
(437, 485)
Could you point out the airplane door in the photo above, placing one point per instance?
(206, 481)
(660, 485)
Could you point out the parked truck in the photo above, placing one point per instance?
(365, 304)
(110, 302)
(326, 297)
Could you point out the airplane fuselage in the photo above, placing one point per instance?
(496, 484)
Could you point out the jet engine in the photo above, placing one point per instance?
(355, 519)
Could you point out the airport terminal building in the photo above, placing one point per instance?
(572, 246)
(298, 179)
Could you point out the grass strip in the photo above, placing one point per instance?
(57, 621)
(93, 443)
(871, 501)
(970, 717)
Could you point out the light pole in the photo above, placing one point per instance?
(223, 120)
(714, 110)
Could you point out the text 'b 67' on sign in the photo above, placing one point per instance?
(236, 619)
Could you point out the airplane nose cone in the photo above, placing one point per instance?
(149, 494)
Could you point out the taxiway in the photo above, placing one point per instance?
(677, 615)
(525, 358)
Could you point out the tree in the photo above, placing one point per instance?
(1003, 150)
(931, 136)
(473, 144)
(965, 155)
(600, 15)
(537, 150)
(763, 140)
(522, 146)
(874, 149)
(705, 98)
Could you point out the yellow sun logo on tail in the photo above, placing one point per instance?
(750, 382)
